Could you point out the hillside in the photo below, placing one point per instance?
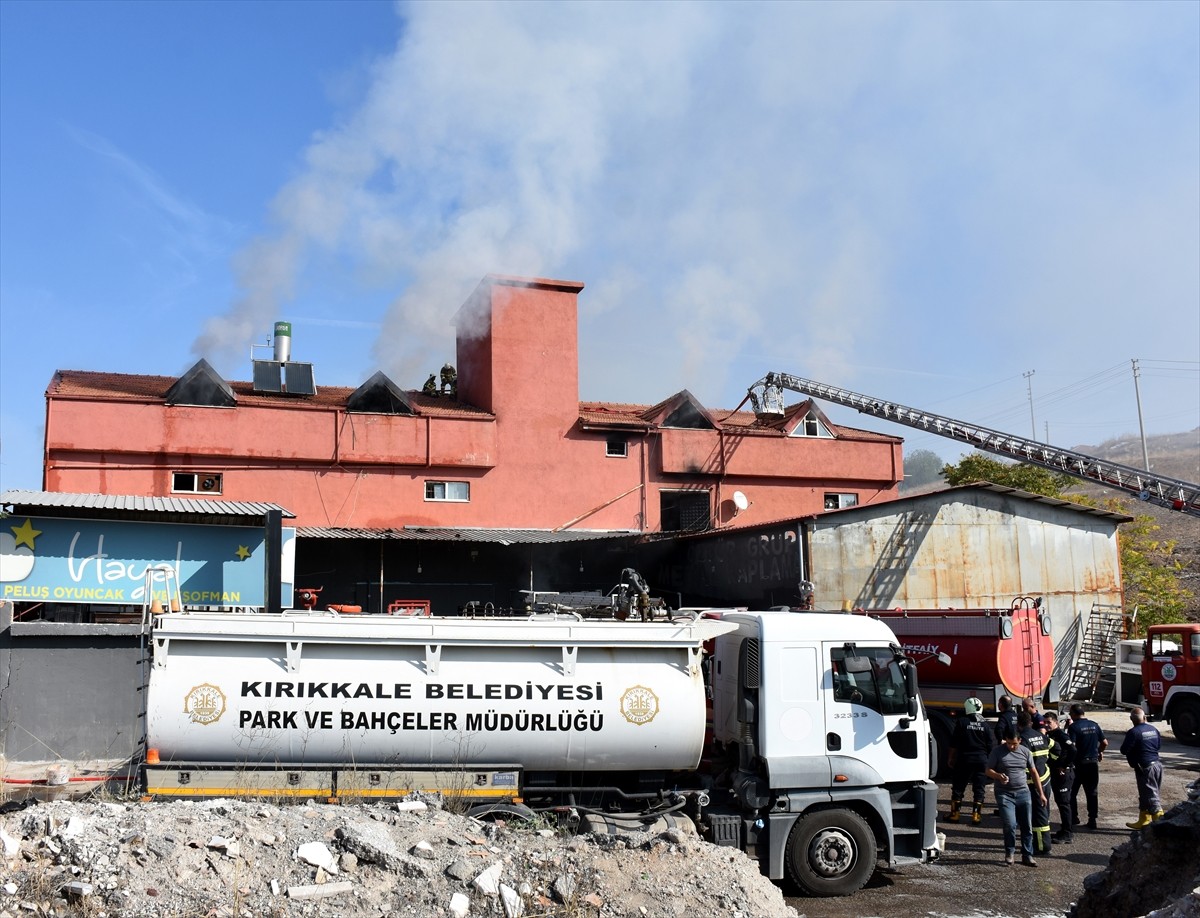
(1172, 455)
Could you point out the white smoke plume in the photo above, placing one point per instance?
(742, 187)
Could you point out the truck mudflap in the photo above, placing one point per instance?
(903, 819)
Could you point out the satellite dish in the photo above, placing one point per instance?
(740, 501)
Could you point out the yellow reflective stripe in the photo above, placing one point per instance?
(237, 792)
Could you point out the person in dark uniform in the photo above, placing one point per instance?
(1090, 744)
(969, 748)
(1037, 743)
(1062, 775)
(1007, 719)
(1029, 706)
(1140, 748)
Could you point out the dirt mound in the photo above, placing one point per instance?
(1157, 871)
(244, 859)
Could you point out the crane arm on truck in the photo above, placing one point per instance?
(766, 396)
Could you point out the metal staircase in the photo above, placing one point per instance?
(766, 395)
(1094, 677)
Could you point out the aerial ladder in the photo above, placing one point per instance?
(767, 397)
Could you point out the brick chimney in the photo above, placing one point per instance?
(518, 348)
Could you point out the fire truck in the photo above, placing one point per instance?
(1171, 678)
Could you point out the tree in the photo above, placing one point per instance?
(1032, 478)
(1149, 569)
(1150, 572)
(921, 467)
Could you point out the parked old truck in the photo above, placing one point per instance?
(990, 652)
(1171, 678)
(817, 762)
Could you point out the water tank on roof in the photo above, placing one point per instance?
(283, 341)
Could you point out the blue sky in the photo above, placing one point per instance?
(921, 202)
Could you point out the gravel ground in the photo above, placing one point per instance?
(971, 880)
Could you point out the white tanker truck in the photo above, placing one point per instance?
(818, 761)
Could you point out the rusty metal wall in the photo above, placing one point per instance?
(970, 549)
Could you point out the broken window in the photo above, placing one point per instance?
(839, 501)
(684, 511)
(195, 482)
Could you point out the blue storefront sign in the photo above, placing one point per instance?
(105, 562)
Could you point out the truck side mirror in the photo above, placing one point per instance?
(910, 684)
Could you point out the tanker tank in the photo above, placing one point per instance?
(307, 688)
(991, 652)
(1008, 649)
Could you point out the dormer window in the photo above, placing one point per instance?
(811, 426)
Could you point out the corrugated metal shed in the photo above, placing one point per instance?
(442, 534)
(971, 547)
(134, 506)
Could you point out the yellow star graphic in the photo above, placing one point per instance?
(25, 533)
(243, 552)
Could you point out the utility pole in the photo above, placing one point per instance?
(1047, 423)
(1137, 391)
(1029, 386)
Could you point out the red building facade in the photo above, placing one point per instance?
(511, 446)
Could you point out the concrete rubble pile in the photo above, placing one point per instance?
(243, 859)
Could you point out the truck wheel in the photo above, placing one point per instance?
(1185, 722)
(831, 853)
(489, 812)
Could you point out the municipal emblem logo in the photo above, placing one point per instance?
(204, 704)
(639, 705)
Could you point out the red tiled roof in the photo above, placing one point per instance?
(613, 414)
(619, 414)
(86, 384)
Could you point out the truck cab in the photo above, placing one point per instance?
(1171, 677)
(832, 747)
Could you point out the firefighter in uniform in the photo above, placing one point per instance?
(1040, 746)
(1090, 743)
(1007, 717)
(1140, 748)
(969, 750)
(1062, 775)
(1029, 706)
